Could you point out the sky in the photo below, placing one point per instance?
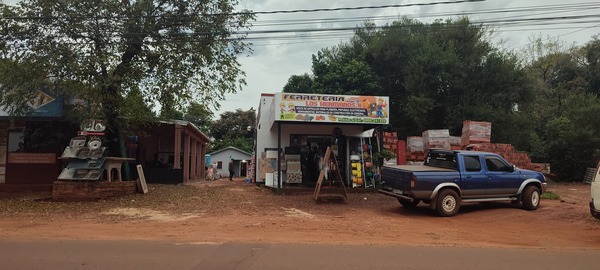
(278, 56)
(275, 60)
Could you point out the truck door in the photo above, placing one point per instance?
(595, 188)
(474, 182)
(502, 178)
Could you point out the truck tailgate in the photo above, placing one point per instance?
(398, 176)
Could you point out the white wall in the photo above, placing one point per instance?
(224, 158)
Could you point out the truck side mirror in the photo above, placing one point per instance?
(513, 168)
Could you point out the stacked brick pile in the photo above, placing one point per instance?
(414, 148)
(476, 135)
(521, 159)
(436, 138)
(390, 140)
(475, 132)
(455, 143)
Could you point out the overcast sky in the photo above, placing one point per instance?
(274, 61)
(278, 56)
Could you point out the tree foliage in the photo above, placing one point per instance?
(299, 84)
(169, 51)
(235, 129)
(437, 75)
(573, 142)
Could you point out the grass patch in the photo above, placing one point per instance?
(550, 196)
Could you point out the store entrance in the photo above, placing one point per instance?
(312, 152)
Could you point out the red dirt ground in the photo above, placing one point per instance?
(223, 211)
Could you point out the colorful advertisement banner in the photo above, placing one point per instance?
(331, 108)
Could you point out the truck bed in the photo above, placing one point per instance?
(419, 168)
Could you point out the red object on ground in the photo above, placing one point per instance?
(401, 152)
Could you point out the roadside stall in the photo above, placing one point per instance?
(294, 131)
(171, 151)
(30, 144)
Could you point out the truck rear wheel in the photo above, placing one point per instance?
(408, 204)
(448, 203)
(531, 198)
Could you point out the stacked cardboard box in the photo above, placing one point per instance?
(414, 148)
(436, 138)
(475, 132)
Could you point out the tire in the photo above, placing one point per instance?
(408, 204)
(447, 203)
(531, 198)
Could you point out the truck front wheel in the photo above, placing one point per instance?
(531, 198)
(448, 203)
(408, 204)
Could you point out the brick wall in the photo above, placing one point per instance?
(90, 190)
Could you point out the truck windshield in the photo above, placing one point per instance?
(441, 159)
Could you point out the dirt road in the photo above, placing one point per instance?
(224, 211)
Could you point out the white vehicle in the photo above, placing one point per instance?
(595, 202)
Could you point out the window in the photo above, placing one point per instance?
(472, 163)
(219, 164)
(495, 164)
(441, 159)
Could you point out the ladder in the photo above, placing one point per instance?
(332, 183)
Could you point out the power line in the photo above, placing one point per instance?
(329, 33)
(250, 12)
(361, 8)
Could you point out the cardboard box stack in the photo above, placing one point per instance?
(436, 138)
(414, 148)
(475, 132)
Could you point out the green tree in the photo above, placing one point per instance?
(575, 137)
(592, 57)
(556, 72)
(299, 84)
(234, 129)
(200, 115)
(437, 75)
(103, 51)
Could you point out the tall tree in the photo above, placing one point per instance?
(102, 51)
(299, 84)
(235, 129)
(592, 57)
(200, 115)
(556, 72)
(437, 75)
(575, 132)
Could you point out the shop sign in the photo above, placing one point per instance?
(331, 108)
(43, 104)
(31, 158)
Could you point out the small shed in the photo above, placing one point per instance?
(241, 161)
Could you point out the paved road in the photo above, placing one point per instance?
(69, 254)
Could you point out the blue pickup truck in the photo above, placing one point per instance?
(448, 178)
